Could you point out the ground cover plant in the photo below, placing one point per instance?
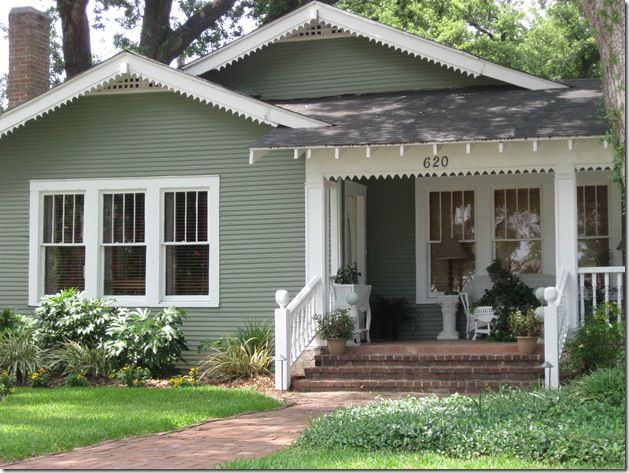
(580, 426)
(41, 421)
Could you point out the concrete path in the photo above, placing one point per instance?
(205, 445)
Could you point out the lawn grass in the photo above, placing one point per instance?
(298, 458)
(39, 421)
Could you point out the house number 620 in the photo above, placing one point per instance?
(436, 162)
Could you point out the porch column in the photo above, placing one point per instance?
(316, 236)
(566, 251)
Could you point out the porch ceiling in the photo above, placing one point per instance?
(445, 116)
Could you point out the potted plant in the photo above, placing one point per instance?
(336, 328)
(525, 327)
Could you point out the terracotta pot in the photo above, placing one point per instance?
(336, 346)
(527, 345)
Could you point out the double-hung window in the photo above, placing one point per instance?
(518, 229)
(151, 241)
(451, 216)
(593, 225)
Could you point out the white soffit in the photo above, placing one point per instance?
(127, 64)
(315, 13)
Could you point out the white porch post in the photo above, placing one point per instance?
(316, 236)
(566, 255)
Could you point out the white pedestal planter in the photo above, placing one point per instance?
(449, 305)
(339, 301)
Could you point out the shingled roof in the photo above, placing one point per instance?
(436, 116)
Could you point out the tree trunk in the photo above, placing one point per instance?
(155, 26)
(77, 50)
(607, 19)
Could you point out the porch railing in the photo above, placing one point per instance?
(294, 328)
(556, 327)
(599, 284)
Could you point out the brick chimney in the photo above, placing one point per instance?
(29, 54)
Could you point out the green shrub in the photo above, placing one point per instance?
(137, 337)
(20, 353)
(6, 379)
(336, 324)
(347, 274)
(189, 380)
(599, 343)
(231, 358)
(4, 392)
(260, 333)
(132, 376)
(73, 357)
(77, 380)
(603, 385)
(542, 425)
(69, 316)
(9, 320)
(507, 293)
(38, 378)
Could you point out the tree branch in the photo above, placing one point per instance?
(181, 38)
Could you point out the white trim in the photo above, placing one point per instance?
(173, 80)
(316, 12)
(153, 188)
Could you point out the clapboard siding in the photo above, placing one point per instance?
(141, 135)
(328, 67)
(391, 251)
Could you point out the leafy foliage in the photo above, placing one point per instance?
(388, 314)
(20, 353)
(70, 316)
(132, 376)
(599, 343)
(232, 357)
(552, 40)
(137, 337)
(508, 293)
(524, 325)
(347, 274)
(38, 378)
(189, 380)
(604, 385)
(336, 324)
(7, 383)
(74, 358)
(9, 320)
(76, 380)
(546, 425)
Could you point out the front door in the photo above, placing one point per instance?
(354, 227)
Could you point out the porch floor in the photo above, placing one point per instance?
(460, 347)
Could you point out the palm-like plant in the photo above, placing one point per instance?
(73, 357)
(20, 353)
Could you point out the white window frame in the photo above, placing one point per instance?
(153, 187)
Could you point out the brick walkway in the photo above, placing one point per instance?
(205, 445)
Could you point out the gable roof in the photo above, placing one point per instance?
(494, 113)
(316, 12)
(128, 64)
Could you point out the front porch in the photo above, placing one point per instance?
(545, 207)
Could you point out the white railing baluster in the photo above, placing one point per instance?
(294, 328)
(581, 298)
(594, 283)
(606, 281)
(619, 290)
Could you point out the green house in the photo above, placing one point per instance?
(316, 141)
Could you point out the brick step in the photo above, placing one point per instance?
(424, 372)
(415, 385)
(510, 359)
